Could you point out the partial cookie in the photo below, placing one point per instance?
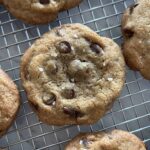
(9, 102)
(114, 140)
(38, 11)
(1, 1)
(71, 3)
(136, 29)
(72, 75)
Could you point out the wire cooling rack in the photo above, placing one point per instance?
(132, 110)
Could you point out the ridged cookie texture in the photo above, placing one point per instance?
(9, 102)
(114, 140)
(72, 75)
(38, 11)
(136, 32)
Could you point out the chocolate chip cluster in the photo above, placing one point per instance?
(77, 70)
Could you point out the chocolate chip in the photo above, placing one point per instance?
(128, 33)
(72, 112)
(64, 47)
(44, 2)
(96, 48)
(69, 93)
(132, 8)
(49, 99)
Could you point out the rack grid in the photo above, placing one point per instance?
(130, 112)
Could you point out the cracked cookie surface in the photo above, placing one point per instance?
(136, 32)
(72, 75)
(38, 11)
(114, 140)
(9, 102)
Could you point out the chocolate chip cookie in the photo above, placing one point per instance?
(136, 29)
(72, 75)
(38, 11)
(114, 140)
(9, 102)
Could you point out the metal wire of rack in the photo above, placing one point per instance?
(132, 110)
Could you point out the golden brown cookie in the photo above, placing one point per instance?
(136, 29)
(72, 75)
(9, 102)
(114, 140)
(38, 11)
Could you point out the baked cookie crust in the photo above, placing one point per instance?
(9, 102)
(136, 29)
(38, 11)
(72, 75)
(114, 140)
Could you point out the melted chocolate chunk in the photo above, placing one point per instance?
(96, 48)
(132, 8)
(72, 112)
(128, 33)
(64, 47)
(44, 2)
(50, 99)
